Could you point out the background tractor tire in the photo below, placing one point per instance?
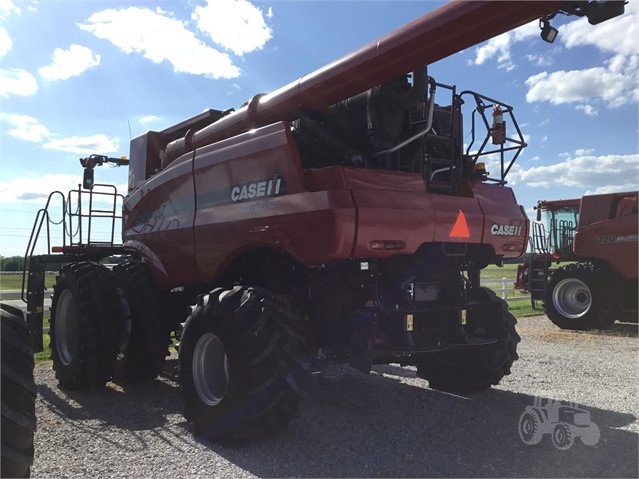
(144, 340)
(83, 336)
(582, 296)
(476, 370)
(243, 365)
(18, 394)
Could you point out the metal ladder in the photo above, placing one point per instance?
(73, 248)
(538, 266)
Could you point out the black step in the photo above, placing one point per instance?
(35, 301)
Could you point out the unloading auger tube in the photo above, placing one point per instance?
(449, 29)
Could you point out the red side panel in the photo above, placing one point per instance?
(608, 230)
(250, 192)
(505, 224)
(395, 206)
(390, 206)
(161, 225)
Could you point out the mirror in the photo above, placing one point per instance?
(538, 214)
(87, 180)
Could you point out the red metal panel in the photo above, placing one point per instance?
(505, 225)
(614, 241)
(312, 226)
(390, 206)
(163, 222)
(447, 212)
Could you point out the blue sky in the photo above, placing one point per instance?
(80, 77)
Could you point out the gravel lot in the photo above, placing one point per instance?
(386, 424)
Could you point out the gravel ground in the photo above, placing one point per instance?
(386, 424)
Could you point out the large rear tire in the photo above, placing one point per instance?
(144, 332)
(582, 297)
(82, 325)
(18, 395)
(476, 369)
(243, 365)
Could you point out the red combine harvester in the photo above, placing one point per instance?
(598, 235)
(337, 219)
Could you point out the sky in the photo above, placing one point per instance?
(79, 77)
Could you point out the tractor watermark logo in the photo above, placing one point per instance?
(563, 421)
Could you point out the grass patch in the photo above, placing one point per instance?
(14, 281)
(45, 355)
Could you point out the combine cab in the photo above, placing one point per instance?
(339, 218)
(597, 235)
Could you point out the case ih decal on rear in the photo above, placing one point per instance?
(259, 189)
(505, 230)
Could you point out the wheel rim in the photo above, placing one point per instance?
(67, 327)
(210, 369)
(572, 298)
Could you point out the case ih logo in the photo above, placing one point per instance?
(505, 230)
(259, 189)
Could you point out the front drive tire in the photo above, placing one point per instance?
(82, 325)
(476, 370)
(144, 336)
(582, 297)
(18, 395)
(243, 367)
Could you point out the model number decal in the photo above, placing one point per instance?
(259, 189)
(604, 239)
(505, 230)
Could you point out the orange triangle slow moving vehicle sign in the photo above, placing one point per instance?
(460, 228)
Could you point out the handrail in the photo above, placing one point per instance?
(516, 144)
(35, 233)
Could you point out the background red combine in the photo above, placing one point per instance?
(597, 235)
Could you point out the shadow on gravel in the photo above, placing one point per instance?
(134, 407)
(379, 427)
(630, 330)
(354, 425)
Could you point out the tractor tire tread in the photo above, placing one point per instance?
(18, 396)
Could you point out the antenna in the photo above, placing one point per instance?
(130, 135)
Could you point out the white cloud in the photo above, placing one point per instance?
(149, 119)
(7, 7)
(580, 86)
(618, 35)
(612, 84)
(15, 81)
(540, 60)
(236, 25)
(160, 38)
(5, 42)
(500, 46)
(588, 110)
(35, 189)
(28, 128)
(583, 170)
(84, 144)
(71, 62)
